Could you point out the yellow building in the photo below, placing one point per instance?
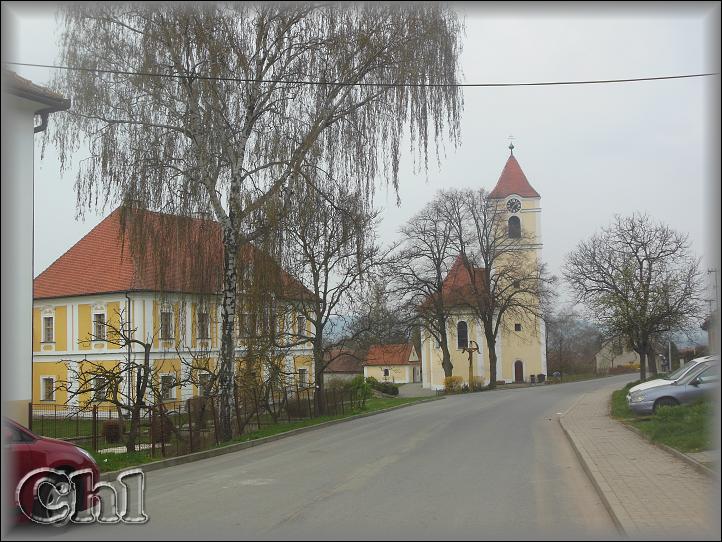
(397, 363)
(96, 287)
(520, 346)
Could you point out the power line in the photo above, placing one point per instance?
(341, 83)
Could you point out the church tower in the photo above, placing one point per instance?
(522, 202)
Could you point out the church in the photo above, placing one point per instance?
(520, 346)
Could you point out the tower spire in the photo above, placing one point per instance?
(511, 145)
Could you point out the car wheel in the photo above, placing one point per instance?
(665, 401)
(48, 496)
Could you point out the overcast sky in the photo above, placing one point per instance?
(591, 151)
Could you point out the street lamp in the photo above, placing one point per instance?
(470, 350)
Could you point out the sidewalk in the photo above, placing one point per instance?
(648, 491)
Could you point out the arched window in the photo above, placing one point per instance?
(462, 335)
(514, 227)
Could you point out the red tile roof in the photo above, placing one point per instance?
(390, 354)
(344, 361)
(190, 260)
(457, 287)
(513, 181)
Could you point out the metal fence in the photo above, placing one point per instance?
(172, 428)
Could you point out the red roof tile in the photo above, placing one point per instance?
(344, 361)
(390, 354)
(457, 288)
(106, 261)
(513, 181)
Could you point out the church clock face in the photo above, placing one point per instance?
(513, 205)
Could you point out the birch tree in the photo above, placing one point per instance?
(214, 108)
(638, 280)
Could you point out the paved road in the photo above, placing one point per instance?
(486, 465)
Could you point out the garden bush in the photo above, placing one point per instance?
(453, 384)
(161, 428)
(112, 431)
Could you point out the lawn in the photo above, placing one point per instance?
(687, 428)
(112, 462)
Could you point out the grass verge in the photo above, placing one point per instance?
(111, 462)
(687, 428)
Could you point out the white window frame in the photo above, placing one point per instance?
(106, 390)
(43, 378)
(48, 315)
(303, 381)
(96, 336)
(207, 313)
(166, 309)
(301, 330)
(173, 389)
(205, 387)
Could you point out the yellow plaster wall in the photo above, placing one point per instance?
(84, 326)
(59, 371)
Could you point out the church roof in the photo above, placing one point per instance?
(457, 288)
(513, 181)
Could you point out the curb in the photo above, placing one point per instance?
(587, 469)
(699, 467)
(213, 452)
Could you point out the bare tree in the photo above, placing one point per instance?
(571, 342)
(637, 280)
(506, 281)
(424, 257)
(91, 382)
(215, 108)
(335, 254)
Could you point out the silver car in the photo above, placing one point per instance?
(692, 386)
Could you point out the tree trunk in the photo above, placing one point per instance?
(318, 362)
(445, 354)
(642, 363)
(140, 389)
(491, 342)
(228, 312)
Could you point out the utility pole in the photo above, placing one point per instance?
(716, 291)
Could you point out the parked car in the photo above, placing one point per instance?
(701, 381)
(25, 452)
(674, 376)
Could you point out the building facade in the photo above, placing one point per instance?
(520, 345)
(95, 289)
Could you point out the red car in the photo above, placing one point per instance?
(27, 452)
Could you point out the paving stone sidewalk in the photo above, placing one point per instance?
(648, 491)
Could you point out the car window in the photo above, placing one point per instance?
(682, 370)
(13, 435)
(709, 375)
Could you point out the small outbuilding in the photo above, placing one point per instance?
(397, 363)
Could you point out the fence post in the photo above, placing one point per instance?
(285, 396)
(30, 415)
(190, 424)
(343, 412)
(152, 435)
(95, 428)
(308, 400)
(55, 420)
(161, 425)
(255, 405)
(237, 409)
(215, 420)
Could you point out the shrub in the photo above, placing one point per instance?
(477, 383)
(453, 384)
(298, 406)
(161, 428)
(112, 431)
(361, 388)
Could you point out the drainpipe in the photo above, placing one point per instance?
(43, 122)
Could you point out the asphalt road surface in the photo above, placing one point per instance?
(485, 465)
